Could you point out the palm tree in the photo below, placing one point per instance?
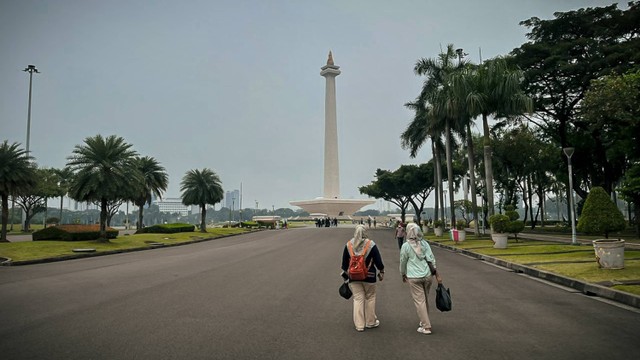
(460, 91)
(103, 171)
(154, 182)
(415, 135)
(495, 91)
(17, 175)
(437, 92)
(201, 188)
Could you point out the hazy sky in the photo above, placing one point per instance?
(234, 85)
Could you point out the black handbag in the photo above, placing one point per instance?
(345, 291)
(443, 298)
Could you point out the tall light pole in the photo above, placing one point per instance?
(568, 151)
(30, 69)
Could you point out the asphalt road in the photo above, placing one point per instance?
(273, 295)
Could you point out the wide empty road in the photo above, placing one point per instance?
(273, 295)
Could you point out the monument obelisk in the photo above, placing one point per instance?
(331, 166)
(330, 203)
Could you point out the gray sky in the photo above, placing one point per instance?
(234, 85)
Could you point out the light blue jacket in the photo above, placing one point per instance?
(415, 267)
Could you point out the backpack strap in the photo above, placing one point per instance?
(364, 250)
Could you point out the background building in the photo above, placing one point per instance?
(232, 199)
(172, 206)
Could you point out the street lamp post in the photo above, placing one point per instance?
(569, 152)
(30, 69)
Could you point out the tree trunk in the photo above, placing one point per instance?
(488, 165)
(140, 217)
(46, 212)
(203, 218)
(439, 176)
(472, 178)
(450, 173)
(436, 184)
(61, 202)
(103, 221)
(5, 218)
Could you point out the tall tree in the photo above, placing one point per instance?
(103, 170)
(201, 188)
(419, 130)
(494, 91)
(418, 180)
(17, 175)
(561, 58)
(154, 182)
(435, 96)
(34, 201)
(390, 187)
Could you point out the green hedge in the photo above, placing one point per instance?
(56, 233)
(167, 229)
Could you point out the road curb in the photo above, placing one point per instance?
(584, 287)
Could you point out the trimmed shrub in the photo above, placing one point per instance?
(72, 233)
(461, 224)
(499, 223)
(515, 227)
(512, 214)
(167, 229)
(600, 215)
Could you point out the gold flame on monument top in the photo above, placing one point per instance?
(330, 59)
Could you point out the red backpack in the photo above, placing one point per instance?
(358, 270)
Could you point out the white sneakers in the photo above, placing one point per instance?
(375, 325)
(422, 330)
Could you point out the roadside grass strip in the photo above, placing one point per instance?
(577, 262)
(38, 250)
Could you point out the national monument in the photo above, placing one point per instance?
(330, 203)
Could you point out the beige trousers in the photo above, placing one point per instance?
(420, 293)
(364, 304)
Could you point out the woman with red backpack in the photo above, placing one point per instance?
(360, 260)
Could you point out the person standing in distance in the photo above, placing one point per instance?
(400, 234)
(364, 291)
(418, 267)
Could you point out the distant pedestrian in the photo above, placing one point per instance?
(364, 291)
(418, 267)
(400, 234)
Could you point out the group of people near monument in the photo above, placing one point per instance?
(417, 267)
(326, 222)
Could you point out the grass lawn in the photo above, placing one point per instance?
(572, 261)
(35, 250)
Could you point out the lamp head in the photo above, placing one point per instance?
(568, 151)
(31, 69)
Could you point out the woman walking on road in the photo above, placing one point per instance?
(364, 290)
(417, 267)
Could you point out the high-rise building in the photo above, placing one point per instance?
(232, 199)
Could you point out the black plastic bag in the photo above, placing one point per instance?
(345, 291)
(443, 298)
